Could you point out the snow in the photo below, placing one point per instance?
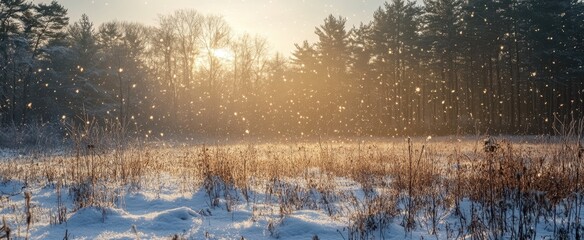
(145, 216)
(163, 207)
(150, 214)
(141, 215)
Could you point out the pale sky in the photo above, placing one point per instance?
(281, 22)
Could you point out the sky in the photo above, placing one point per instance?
(281, 22)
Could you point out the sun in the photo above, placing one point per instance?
(224, 54)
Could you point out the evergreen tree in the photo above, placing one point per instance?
(333, 49)
(45, 23)
(365, 96)
(305, 59)
(73, 75)
(12, 14)
(82, 39)
(554, 27)
(442, 27)
(333, 55)
(44, 26)
(395, 50)
(12, 48)
(307, 90)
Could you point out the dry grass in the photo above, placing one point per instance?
(416, 182)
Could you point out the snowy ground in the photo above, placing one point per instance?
(165, 209)
(151, 214)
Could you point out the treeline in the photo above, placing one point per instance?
(449, 66)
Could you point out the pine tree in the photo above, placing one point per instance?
(82, 39)
(364, 98)
(443, 24)
(45, 23)
(12, 47)
(333, 50)
(305, 59)
(395, 49)
(307, 90)
(553, 45)
(12, 14)
(333, 56)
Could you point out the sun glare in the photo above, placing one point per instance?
(224, 54)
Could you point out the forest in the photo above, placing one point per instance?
(441, 67)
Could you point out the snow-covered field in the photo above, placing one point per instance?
(382, 189)
(151, 214)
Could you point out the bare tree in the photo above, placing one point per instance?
(187, 27)
(215, 37)
(165, 45)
